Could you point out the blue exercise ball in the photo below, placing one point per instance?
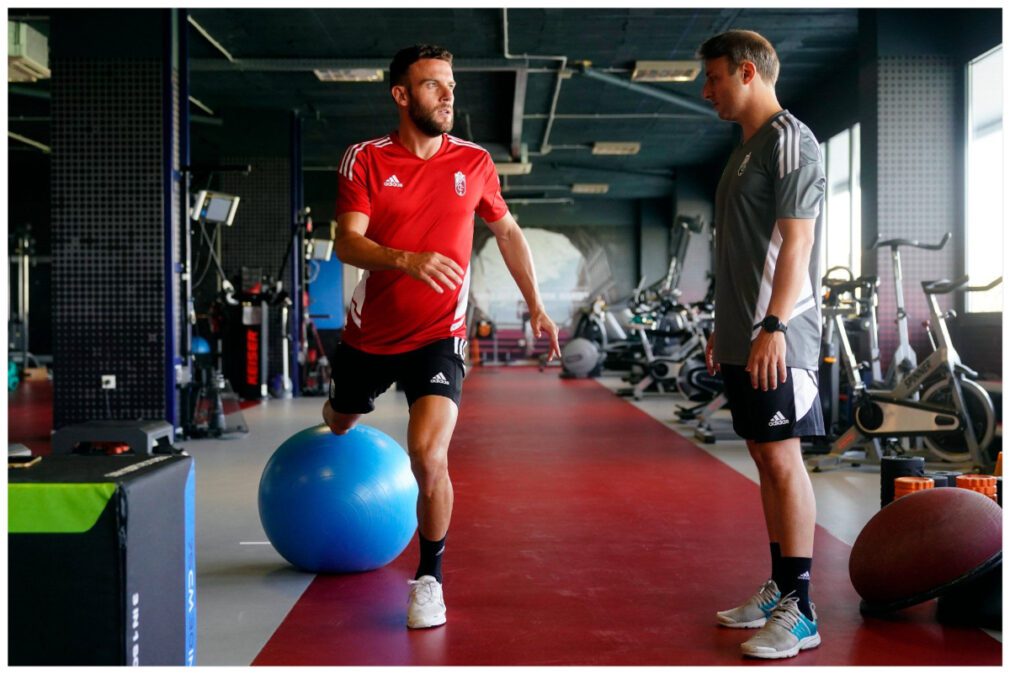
(339, 503)
(200, 346)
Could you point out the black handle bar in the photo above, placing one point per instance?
(841, 285)
(978, 289)
(943, 286)
(894, 243)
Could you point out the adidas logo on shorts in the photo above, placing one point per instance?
(778, 420)
(439, 379)
(393, 181)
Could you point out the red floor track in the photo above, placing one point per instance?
(30, 416)
(587, 533)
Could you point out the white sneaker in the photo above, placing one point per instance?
(425, 607)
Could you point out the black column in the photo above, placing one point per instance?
(115, 213)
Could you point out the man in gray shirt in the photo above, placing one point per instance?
(767, 322)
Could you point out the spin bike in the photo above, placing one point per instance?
(904, 360)
(955, 417)
(857, 310)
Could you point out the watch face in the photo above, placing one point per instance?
(772, 324)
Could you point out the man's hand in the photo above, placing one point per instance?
(767, 362)
(540, 322)
(433, 269)
(710, 363)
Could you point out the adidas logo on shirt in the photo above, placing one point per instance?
(439, 379)
(393, 181)
(778, 420)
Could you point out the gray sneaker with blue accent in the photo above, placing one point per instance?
(755, 611)
(786, 633)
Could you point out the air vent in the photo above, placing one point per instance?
(607, 147)
(666, 71)
(27, 53)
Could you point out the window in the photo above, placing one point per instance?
(984, 180)
(559, 265)
(842, 209)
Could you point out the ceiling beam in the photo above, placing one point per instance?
(307, 65)
(518, 108)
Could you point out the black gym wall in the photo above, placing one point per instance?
(259, 236)
(115, 147)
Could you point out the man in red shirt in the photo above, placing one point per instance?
(405, 215)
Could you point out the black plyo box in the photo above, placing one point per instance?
(102, 561)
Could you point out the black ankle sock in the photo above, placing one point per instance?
(796, 579)
(776, 562)
(431, 558)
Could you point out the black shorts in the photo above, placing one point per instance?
(359, 377)
(792, 410)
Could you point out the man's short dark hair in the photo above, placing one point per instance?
(743, 45)
(411, 55)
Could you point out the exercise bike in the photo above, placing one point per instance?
(955, 417)
(854, 302)
(904, 360)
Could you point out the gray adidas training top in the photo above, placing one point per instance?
(777, 173)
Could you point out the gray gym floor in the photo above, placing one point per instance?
(245, 589)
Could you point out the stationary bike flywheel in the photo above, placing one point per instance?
(952, 447)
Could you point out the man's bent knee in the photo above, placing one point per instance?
(430, 469)
(337, 422)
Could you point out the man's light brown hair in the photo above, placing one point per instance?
(743, 45)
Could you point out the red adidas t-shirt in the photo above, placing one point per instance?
(415, 205)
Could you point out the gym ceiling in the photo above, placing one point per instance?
(506, 103)
(526, 106)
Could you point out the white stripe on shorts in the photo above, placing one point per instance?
(804, 391)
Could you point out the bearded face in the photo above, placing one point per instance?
(433, 119)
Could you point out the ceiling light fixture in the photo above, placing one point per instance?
(666, 71)
(590, 188)
(349, 75)
(615, 148)
(513, 168)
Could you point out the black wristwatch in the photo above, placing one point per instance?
(771, 323)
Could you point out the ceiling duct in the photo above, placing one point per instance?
(693, 104)
(27, 53)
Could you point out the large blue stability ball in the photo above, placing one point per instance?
(338, 503)
(200, 346)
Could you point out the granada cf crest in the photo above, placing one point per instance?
(460, 183)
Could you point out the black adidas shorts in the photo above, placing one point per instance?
(359, 378)
(792, 410)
